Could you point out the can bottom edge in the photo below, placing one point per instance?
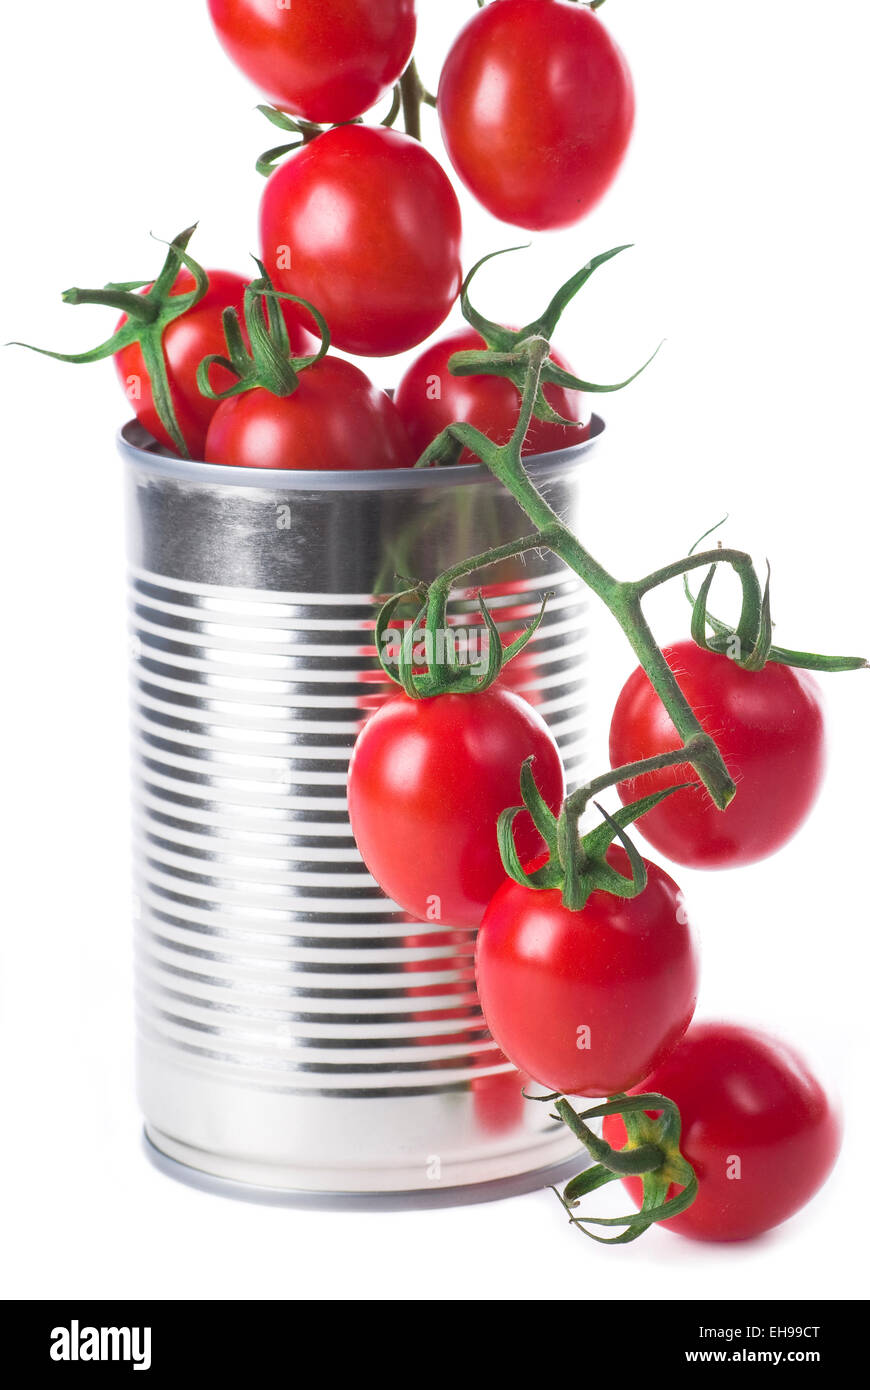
(203, 1171)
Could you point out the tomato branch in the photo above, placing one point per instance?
(624, 600)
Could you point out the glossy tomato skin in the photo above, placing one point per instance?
(745, 1099)
(624, 969)
(428, 781)
(336, 419)
(770, 729)
(323, 60)
(364, 224)
(537, 106)
(197, 334)
(429, 398)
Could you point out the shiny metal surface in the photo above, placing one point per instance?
(295, 1030)
(417, 1199)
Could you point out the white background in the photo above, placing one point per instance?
(745, 193)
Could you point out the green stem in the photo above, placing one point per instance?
(395, 109)
(749, 625)
(411, 89)
(414, 97)
(628, 773)
(623, 599)
(646, 1158)
(576, 803)
(136, 306)
(439, 589)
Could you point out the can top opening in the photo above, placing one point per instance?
(137, 445)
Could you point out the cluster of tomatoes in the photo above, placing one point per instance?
(362, 223)
(360, 250)
(597, 1002)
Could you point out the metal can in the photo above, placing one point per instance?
(296, 1032)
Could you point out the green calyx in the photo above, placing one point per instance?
(269, 364)
(409, 96)
(428, 656)
(505, 356)
(651, 1152)
(303, 133)
(751, 645)
(148, 317)
(577, 866)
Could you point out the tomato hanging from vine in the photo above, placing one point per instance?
(769, 728)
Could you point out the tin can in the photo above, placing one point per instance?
(296, 1032)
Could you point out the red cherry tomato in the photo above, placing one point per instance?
(429, 398)
(758, 1129)
(187, 340)
(428, 781)
(324, 60)
(769, 727)
(537, 106)
(335, 419)
(364, 224)
(587, 1002)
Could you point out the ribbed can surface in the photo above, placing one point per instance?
(295, 1029)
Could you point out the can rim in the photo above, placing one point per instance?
(142, 450)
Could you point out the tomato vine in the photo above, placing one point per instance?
(623, 598)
